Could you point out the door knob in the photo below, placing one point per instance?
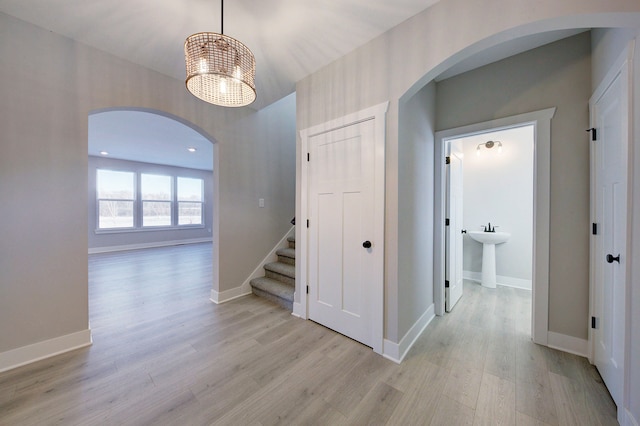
(464, 231)
(611, 259)
(366, 244)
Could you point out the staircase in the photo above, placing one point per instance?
(279, 281)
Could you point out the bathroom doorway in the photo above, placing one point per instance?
(505, 189)
(497, 187)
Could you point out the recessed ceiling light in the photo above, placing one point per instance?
(191, 149)
(104, 153)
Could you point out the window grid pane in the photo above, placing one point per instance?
(115, 185)
(189, 213)
(115, 214)
(156, 213)
(155, 187)
(189, 189)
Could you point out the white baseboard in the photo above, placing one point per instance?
(227, 295)
(245, 287)
(570, 344)
(45, 349)
(501, 280)
(297, 310)
(126, 247)
(397, 351)
(629, 420)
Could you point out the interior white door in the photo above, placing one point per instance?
(609, 151)
(453, 238)
(341, 244)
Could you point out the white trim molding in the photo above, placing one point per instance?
(542, 190)
(502, 280)
(168, 243)
(629, 419)
(228, 295)
(570, 344)
(45, 349)
(397, 351)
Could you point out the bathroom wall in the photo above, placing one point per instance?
(498, 188)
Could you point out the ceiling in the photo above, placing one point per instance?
(150, 138)
(290, 39)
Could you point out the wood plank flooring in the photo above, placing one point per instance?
(163, 354)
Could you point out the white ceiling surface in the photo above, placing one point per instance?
(290, 38)
(148, 137)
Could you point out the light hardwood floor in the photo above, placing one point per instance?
(163, 354)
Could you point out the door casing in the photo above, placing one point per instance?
(300, 306)
(622, 65)
(541, 120)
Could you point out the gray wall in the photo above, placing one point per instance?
(555, 75)
(43, 160)
(401, 61)
(607, 46)
(98, 240)
(415, 198)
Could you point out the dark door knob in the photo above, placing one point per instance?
(366, 244)
(611, 259)
(464, 231)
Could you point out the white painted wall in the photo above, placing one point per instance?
(498, 188)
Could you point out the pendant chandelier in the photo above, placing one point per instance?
(220, 69)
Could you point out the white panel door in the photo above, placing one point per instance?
(453, 263)
(341, 245)
(609, 160)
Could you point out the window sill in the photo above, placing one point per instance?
(148, 229)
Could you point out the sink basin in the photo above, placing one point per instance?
(489, 241)
(489, 237)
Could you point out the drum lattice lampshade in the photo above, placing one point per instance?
(220, 69)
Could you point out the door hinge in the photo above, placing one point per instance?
(307, 223)
(447, 160)
(307, 289)
(594, 133)
(308, 156)
(446, 222)
(593, 322)
(594, 229)
(446, 283)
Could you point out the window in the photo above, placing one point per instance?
(131, 201)
(116, 196)
(190, 201)
(156, 195)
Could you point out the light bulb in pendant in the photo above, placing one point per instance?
(203, 67)
(237, 73)
(223, 85)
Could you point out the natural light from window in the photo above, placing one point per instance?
(135, 201)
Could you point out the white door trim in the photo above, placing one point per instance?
(300, 306)
(624, 63)
(541, 202)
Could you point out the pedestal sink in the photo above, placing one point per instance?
(489, 241)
